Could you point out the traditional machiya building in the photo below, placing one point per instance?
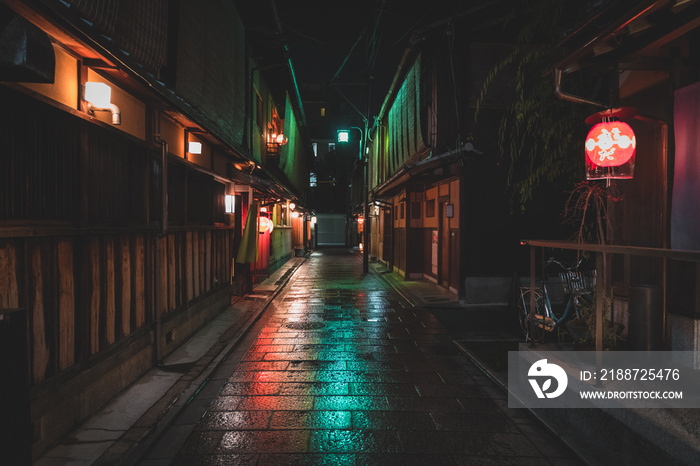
(139, 139)
(647, 49)
(437, 202)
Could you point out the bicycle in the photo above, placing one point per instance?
(578, 287)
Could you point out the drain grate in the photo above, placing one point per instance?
(305, 325)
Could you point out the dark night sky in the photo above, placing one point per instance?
(321, 33)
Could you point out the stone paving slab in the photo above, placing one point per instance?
(344, 371)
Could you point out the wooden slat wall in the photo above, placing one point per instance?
(139, 258)
(194, 260)
(99, 299)
(125, 281)
(66, 304)
(92, 286)
(39, 354)
(109, 307)
(85, 292)
(9, 292)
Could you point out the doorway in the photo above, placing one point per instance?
(387, 237)
(443, 246)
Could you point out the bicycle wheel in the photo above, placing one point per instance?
(536, 333)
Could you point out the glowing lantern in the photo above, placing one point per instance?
(265, 225)
(610, 144)
(610, 147)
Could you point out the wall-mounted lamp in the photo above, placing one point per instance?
(292, 206)
(99, 99)
(230, 204)
(194, 147)
(295, 214)
(313, 219)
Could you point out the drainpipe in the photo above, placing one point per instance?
(571, 98)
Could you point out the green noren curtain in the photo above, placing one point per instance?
(248, 251)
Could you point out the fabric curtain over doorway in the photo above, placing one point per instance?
(248, 251)
(685, 214)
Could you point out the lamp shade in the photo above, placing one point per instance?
(610, 151)
(194, 147)
(98, 94)
(229, 204)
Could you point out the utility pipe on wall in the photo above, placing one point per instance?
(569, 97)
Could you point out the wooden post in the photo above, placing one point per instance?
(531, 311)
(599, 301)
(697, 287)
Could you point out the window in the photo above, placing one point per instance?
(430, 208)
(314, 146)
(331, 146)
(313, 181)
(415, 210)
(402, 208)
(323, 111)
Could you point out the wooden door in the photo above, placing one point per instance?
(444, 247)
(387, 237)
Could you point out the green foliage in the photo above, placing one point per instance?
(611, 330)
(540, 135)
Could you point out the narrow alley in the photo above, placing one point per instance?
(341, 370)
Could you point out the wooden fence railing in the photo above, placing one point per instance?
(603, 280)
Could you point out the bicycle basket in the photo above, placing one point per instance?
(578, 281)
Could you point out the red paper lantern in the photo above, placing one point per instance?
(610, 144)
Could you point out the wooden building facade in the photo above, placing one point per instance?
(651, 49)
(118, 235)
(437, 190)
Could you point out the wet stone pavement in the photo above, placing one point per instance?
(343, 372)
